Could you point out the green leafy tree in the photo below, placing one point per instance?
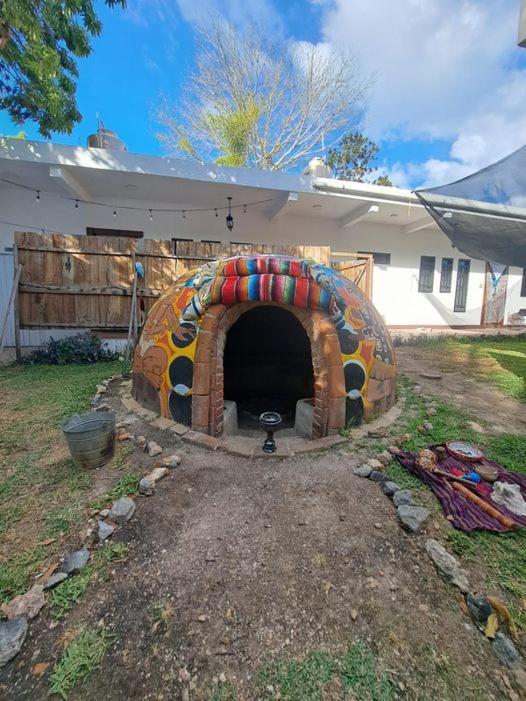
(353, 159)
(40, 41)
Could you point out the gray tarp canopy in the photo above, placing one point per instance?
(484, 214)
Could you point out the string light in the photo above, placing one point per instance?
(228, 208)
(229, 217)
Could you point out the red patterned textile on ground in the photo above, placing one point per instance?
(463, 513)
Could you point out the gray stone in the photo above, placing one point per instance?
(146, 486)
(141, 441)
(519, 679)
(431, 411)
(390, 488)
(55, 579)
(104, 513)
(412, 517)
(428, 426)
(378, 476)
(362, 470)
(403, 496)
(447, 564)
(25, 605)
(104, 530)
(153, 449)
(103, 407)
(12, 636)
(417, 389)
(75, 561)
(506, 651)
(479, 607)
(122, 510)
(230, 417)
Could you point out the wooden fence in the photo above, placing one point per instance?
(87, 281)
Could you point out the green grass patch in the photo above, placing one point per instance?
(500, 360)
(65, 595)
(80, 658)
(224, 692)
(35, 487)
(16, 572)
(355, 672)
(127, 485)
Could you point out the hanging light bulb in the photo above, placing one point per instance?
(244, 209)
(229, 217)
(38, 195)
(150, 214)
(76, 204)
(215, 210)
(184, 214)
(114, 212)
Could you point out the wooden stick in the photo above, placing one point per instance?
(484, 506)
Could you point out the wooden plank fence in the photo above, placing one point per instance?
(86, 281)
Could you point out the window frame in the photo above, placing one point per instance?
(446, 276)
(431, 270)
(523, 283)
(461, 293)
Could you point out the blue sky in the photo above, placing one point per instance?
(448, 97)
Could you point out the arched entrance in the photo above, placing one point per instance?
(267, 365)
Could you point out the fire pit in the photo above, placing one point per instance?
(270, 420)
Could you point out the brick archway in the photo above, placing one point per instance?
(329, 384)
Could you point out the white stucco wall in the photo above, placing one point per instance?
(395, 287)
(514, 301)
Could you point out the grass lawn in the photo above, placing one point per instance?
(43, 495)
(502, 557)
(499, 359)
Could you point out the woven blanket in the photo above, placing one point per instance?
(463, 513)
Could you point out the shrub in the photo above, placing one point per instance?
(81, 348)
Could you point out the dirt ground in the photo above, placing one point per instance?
(483, 401)
(258, 560)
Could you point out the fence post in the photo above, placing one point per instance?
(16, 303)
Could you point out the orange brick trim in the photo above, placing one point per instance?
(329, 385)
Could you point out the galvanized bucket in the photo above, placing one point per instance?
(91, 438)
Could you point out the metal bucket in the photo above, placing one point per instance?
(91, 438)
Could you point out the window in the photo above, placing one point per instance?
(176, 241)
(523, 286)
(427, 273)
(446, 273)
(94, 231)
(379, 258)
(461, 293)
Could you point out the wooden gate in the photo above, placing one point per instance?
(87, 281)
(358, 267)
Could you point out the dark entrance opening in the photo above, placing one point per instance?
(267, 365)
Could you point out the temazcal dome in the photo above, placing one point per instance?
(268, 328)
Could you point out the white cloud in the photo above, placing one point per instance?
(445, 70)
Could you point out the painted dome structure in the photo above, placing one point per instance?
(264, 332)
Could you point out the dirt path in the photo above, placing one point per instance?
(483, 401)
(254, 560)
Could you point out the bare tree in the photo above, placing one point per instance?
(260, 100)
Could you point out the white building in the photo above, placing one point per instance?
(76, 190)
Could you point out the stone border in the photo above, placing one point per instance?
(246, 447)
